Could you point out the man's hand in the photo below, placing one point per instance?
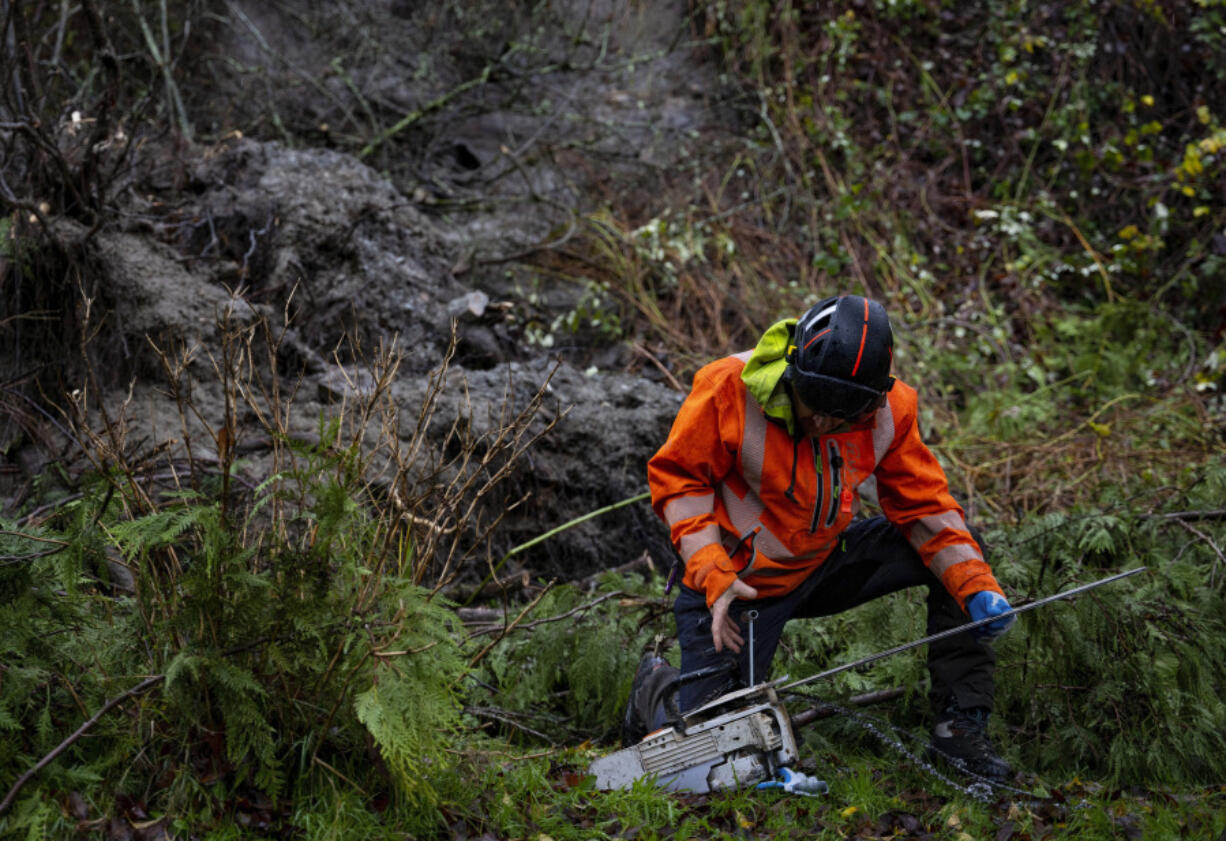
(983, 604)
(724, 629)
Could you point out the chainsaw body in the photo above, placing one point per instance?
(737, 740)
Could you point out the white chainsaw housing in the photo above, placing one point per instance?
(738, 739)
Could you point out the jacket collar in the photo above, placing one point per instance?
(763, 373)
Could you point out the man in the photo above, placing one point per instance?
(758, 484)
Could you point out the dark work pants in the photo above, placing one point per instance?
(872, 560)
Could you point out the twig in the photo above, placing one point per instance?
(546, 620)
(527, 252)
(78, 733)
(1212, 514)
(498, 715)
(11, 560)
(542, 537)
(513, 757)
(323, 764)
(527, 608)
(417, 113)
(32, 517)
(164, 64)
(643, 560)
(878, 696)
(650, 357)
(404, 651)
(60, 543)
(1094, 255)
(1217, 551)
(7, 560)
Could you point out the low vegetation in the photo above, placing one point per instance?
(1037, 192)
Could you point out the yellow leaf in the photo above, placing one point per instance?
(1147, 101)
(744, 822)
(1100, 429)
(1202, 114)
(848, 812)
(963, 836)
(953, 822)
(543, 837)
(1188, 191)
(1201, 211)
(1129, 232)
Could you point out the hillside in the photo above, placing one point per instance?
(336, 337)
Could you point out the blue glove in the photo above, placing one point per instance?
(794, 782)
(985, 603)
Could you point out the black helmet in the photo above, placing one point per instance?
(839, 359)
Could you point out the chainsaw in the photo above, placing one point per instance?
(747, 736)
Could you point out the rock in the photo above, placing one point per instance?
(472, 303)
(595, 456)
(347, 383)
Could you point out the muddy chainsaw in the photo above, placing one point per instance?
(747, 737)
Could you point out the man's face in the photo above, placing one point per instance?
(814, 424)
(811, 423)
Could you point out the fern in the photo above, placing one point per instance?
(578, 670)
(139, 536)
(33, 818)
(411, 707)
(1127, 681)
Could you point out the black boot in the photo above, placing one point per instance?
(961, 737)
(649, 707)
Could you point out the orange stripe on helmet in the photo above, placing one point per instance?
(815, 338)
(863, 336)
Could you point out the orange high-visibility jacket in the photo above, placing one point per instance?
(727, 469)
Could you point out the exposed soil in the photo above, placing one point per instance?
(527, 117)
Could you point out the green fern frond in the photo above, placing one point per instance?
(411, 708)
(136, 537)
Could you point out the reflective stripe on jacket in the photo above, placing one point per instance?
(727, 469)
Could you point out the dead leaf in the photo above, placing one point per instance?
(150, 830)
(118, 829)
(891, 822)
(573, 779)
(1129, 825)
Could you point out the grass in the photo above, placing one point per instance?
(871, 796)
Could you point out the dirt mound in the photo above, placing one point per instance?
(365, 172)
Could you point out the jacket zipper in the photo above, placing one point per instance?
(836, 471)
(817, 504)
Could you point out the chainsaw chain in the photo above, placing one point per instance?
(980, 789)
